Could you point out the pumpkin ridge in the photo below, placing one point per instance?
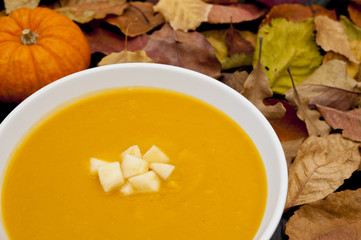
(80, 53)
(5, 81)
(74, 50)
(39, 85)
(56, 58)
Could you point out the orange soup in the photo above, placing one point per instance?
(217, 190)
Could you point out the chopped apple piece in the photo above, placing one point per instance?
(162, 169)
(133, 166)
(127, 189)
(95, 164)
(146, 182)
(133, 150)
(154, 154)
(110, 176)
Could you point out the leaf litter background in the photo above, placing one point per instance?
(298, 61)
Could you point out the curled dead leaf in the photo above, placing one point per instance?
(125, 57)
(185, 49)
(183, 15)
(329, 86)
(104, 41)
(355, 13)
(234, 13)
(321, 166)
(139, 18)
(291, 12)
(336, 217)
(11, 5)
(352, 68)
(83, 13)
(237, 80)
(256, 89)
(290, 148)
(331, 36)
(349, 122)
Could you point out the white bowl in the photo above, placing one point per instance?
(18, 122)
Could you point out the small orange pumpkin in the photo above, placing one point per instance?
(37, 47)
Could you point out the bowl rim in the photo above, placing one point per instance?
(43, 92)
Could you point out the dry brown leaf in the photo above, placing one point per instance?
(104, 41)
(321, 166)
(352, 68)
(336, 217)
(185, 49)
(349, 122)
(290, 148)
(292, 12)
(234, 13)
(331, 36)
(83, 13)
(139, 18)
(329, 86)
(65, 3)
(290, 127)
(236, 43)
(183, 15)
(355, 14)
(236, 81)
(256, 89)
(318, 10)
(11, 5)
(125, 57)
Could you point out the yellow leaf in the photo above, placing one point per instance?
(11, 5)
(125, 57)
(184, 15)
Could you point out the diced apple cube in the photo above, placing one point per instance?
(95, 164)
(154, 154)
(127, 189)
(162, 169)
(146, 182)
(110, 176)
(133, 150)
(133, 166)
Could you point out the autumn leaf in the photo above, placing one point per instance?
(125, 57)
(329, 86)
(321, 166)
(355, 14)
(138, 18)
(352, 68)
(297, 12)
(104, 41)
(11, 5)
(256, 89)
(236, 43)
(217, 38)
(237, 80)
(183, 15)
(65, 3)
(86, 12)
(331, 36)
(234, 13)
(290, 149)
(272, 3)
(288, 44)
(291, 12)
(348, 121)
(336, 217)
(185, 49)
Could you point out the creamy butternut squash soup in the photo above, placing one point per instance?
(217, 189)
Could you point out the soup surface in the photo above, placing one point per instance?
(217, 191)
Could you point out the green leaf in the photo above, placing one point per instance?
(288, 44)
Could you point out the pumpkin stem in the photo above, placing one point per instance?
(28, 37)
